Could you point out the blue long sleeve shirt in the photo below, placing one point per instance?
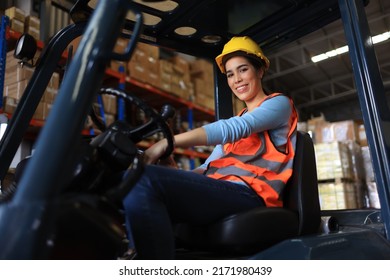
(272, 115)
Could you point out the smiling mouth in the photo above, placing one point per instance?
(241, 88)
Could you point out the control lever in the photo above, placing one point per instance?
(167, 112)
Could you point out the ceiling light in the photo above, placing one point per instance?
(211, 39)
(185, 31)
(329, 54)
(375, 39)
(381, 37)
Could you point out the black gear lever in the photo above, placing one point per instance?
(167, 112)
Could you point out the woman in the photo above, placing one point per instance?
(248, 168)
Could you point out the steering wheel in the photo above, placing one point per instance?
(117, 150)
(156, 123)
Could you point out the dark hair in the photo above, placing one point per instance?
(253, 60)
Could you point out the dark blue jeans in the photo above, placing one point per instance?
(165, 196)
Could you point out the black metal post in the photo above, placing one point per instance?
(33, 93)
(28, 220)
(372, 98)
(222, 96)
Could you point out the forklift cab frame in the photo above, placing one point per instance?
(37, 194)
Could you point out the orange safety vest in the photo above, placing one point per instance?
(257, 162)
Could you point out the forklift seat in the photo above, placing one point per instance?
(260, 228)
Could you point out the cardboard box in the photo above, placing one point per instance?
(34, 32)
(165, 67)
(11, 61)
(33, 22)
(42, 111)
(54, 82)
(165, 85)
(17, 25)
(202, 68)
(337, 131)
(141, 65)
(137, 71)
(110, 104)
(149, 50)
(17, 73)
(15, 90)
(109, 119)
(203, 87)
(345, 130)
(16, 13)
(9, 104)
(50, 95)
(238, 105)
(115, 65)
(181, 88)
(153, 79)
(165, 75)
(181, 67)
(313, 127)
(362, 135)
(337, 195)
(333, 161)
(205, 101)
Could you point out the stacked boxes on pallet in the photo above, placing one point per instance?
(181, 83)
(171, 75)
(202, 73)
(333, 161)
(186, 78)
(341, 172)
(17, 18)
(17, 76)
(23, 23)
(33, 26)
(337, 187)
(16, 80)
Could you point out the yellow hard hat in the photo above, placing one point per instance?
(243, 45)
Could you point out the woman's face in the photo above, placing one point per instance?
(243, 78)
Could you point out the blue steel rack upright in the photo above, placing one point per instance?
(3, 54)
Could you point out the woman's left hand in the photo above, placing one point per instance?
(168, 162)
(154, 153)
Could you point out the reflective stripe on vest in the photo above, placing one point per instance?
(257, 162)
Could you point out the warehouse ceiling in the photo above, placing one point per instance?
(327, 86)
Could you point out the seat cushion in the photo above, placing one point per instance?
(243, 233)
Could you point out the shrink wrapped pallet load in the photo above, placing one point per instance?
(337, 195)
(333, 161)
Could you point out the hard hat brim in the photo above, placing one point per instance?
(222, 58)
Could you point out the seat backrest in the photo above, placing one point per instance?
(301, 193)
(254, 230)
